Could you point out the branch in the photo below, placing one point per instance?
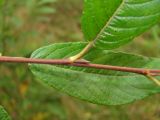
(79, 63)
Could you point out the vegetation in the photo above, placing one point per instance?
(25, 23)
(3, 114)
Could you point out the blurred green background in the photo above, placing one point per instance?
(26, 25)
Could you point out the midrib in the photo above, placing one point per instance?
(109, 21)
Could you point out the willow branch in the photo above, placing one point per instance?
(79, 63)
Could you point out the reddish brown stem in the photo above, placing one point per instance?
(79, 63)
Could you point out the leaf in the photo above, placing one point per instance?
(46, 10)
(1, 3)
(3, 114)
(93, 85)
(112, 23)
(42, 2)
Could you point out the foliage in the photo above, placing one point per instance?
(3, 114)
(26, 99)
(111, 24)
(97, 86)
(18, 23)
(19, 35)
(40, 7)
(1, 2)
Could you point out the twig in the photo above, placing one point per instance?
(79, 63)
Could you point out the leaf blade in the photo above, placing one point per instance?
(125, 20)
(3, 114)
(96, 86)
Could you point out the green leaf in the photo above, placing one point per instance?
(112, 23)
(42, 2)
(3, 114)
(46, 10)
(1, 2)
(94, 85)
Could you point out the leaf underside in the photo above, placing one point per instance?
(112, 23)
(97, 86)
(3, 114)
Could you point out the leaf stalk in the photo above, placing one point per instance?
(82, 53)
(155, 80)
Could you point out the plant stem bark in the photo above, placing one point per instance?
(79, 63)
